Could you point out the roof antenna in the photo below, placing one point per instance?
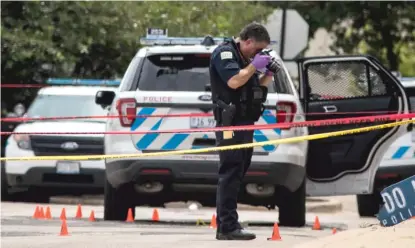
(208, 41)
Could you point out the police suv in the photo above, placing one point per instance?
(398, 163)
(46, 178)
(170, 76)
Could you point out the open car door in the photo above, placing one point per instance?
(340, 87)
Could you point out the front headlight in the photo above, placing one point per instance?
(23, 141)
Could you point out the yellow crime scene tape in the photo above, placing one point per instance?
(213, 149)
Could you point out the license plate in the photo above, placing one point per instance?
(202, 122)
(65, 167)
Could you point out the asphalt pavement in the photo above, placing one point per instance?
(177, 227)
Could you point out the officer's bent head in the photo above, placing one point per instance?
(253, 39)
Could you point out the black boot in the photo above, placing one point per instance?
(238, 234)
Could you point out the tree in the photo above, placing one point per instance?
(98, 39)
(382, 29)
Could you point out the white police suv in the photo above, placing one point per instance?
(171, 77)
(47, 177)
(398, 163)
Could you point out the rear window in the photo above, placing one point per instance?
(175, 72)
(410, 92)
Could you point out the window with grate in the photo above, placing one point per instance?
(344, 80)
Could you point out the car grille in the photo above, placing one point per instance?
(52, 145)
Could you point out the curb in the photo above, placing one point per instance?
(313, 205)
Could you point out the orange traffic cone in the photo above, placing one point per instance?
(155, 215)
(48, 215)
(316, 225)
(36, 213)
(64, 229)
(275, 233)
(92, 216)
(78, 212)
(41, 213)
(334, 231)
(130, 217)
(63, 214)
(213, 222)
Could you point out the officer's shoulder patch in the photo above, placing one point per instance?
(226, 55)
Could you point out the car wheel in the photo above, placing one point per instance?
(117, 201)
(38, 195)
(4, 185)
(368, 205)
(292, 209)
(208, 203)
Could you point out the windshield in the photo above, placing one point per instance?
(66, 106)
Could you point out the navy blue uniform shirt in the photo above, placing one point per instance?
(226, 62)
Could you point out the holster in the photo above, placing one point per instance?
(224, 113)
(217, 114)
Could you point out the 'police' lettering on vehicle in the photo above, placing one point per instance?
(156, 99)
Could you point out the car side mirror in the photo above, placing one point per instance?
(104, 98)
(208, 87)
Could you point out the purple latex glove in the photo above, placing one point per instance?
(260, 61)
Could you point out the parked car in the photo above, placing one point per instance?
(397, 164)
(47, 178)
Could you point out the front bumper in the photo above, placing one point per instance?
(93, 178)
(122, 172)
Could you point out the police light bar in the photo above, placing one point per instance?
(407, 79)
(158, 36)
(148, 41)
(408, 82)
(151, 41)
(76, 81)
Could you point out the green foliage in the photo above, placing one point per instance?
(382, 29)
(91, 39)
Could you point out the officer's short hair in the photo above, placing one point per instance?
(256, 32)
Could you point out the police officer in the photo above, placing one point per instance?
(238, 91)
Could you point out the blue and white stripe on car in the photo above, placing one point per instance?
(172, 141)
(403, 152)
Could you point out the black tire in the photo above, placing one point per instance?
(368, 205)
(117, 201)
(210, 203)
(292, 208)
(4, 185)
(38, 195)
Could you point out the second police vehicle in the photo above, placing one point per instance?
(398, 163)
(170, 76)
(63, 99)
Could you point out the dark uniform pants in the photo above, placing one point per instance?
(232, 168)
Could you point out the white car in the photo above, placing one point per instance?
(173, 79)
(397, 164)
(49, 177)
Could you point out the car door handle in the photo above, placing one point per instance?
(330, 109)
